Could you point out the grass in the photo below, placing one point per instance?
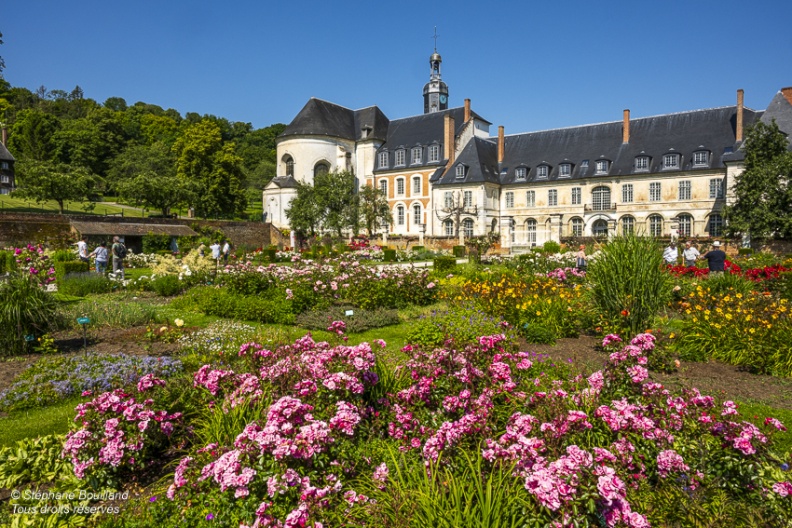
(757, 412)
(18, 205)
(19, 425)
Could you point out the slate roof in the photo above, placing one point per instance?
(5, 155)
(374, 118)
(683, 133)
(480, 159)
(322, 118)
(779, 109)
(284, 182)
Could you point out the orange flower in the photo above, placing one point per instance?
(625, 313)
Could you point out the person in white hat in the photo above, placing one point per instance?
(716, 258)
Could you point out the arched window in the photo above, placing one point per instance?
(467, 227)
(494, 225)
(400, 215)
(289, 162)
(628, 225)
(512, 229)
(530, 231)
(448, 228)
(601, 198)
(656, 225)
(577, 227)
(599, 228)
(417, 216)
(321, 168)
(715, 224)
(685, 225)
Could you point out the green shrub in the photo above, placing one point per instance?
(111, 311)
(551, 247)
(459, 251)
(223, 303)
(247, 283)
(85, 283)
(455, 328)
(444, 264)
(629, 283)
(784, 286)
(360, 320)
(536, 332)
(721, 283)
(64, 255)
(389, 255)
(166, 285)
(73, 266)
(271, 254)
(156, 243)
(25, 310)
(418, 249)
(745, 251)
(7, 262)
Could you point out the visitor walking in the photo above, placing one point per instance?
(119, 252)
(581, 260)
(716, 258)
(671, 254)
(690, 254)
(82, 249)
(100, 254)
(226, 252)
(215, 250)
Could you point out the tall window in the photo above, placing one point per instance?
(289, 161)
(700, 159)
(530, 198)
(434, 153)
(577, 196)
(5, 179)
(417, 216)
(467, 227)
(448, 228)
(642, 163)
(400, 215)
(383, 160)
(716, 188)
(671, 161)
(602, 166)
(416, 186)
(416, 155)
(684, 190)
(512, 229)
(530, 231)
(552, 197)
(460, 171)
(400, 186)
(685, 225)
(448, 199)
(577, 227)
(565, 170)
(399, 157)
(321, 168)
(541, 172)
(628, 225)
(627, 193)
(520, 173)
(599, 228)
(654, 192)
(509, 200)
(715, 225)
(467, 199)
(656, 225)
(601, 198)
(384, 187)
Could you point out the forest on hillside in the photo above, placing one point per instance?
(70, 147)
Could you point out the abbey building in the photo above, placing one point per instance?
(445, 174)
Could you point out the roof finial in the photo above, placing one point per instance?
(435, 39)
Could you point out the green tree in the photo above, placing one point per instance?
(32, 136)
(763, 197)
(154, 191)
(157, 160)
(335, 194)
(304, 213)
(43, 181)
(374, 209)
(210, 170)
(92, 141)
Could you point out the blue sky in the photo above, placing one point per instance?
(526, 65)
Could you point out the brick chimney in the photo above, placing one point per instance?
(738, 133)
(448, 141)
(787, 93)
(467, 110)
(626, 126)
(501, 145)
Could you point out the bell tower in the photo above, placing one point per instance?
(435, 92)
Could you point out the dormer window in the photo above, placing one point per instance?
(542, 171)
(602, 167)
(584, 165)
(671, 161)
(383, 160)
(642, 163)
(521, 173)
(701, 158)
(399, 158)
(434, 153)
(460, 171)
(565, 170)
(417, 155)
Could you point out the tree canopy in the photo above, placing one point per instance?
(331, 204)
(762, 192)
(45, 180)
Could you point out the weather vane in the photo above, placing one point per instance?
(435, 39)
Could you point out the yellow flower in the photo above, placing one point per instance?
(178, 322)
